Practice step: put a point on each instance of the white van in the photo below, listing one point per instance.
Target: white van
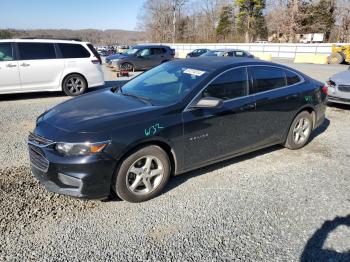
(32, 65)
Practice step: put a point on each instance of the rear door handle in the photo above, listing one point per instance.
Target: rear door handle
(248, 107)
(25, 64)
(11, 65)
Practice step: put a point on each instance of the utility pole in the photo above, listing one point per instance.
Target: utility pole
(176, 6)
(174, 20)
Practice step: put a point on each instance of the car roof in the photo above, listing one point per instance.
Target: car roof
(218, 63)
(150, 46)
(37, 40)
(227, 50)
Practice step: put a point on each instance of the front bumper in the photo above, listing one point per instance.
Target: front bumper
(83, 177)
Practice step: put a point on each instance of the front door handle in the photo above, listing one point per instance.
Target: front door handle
(11, 65)
(248, 107)
(24, 64)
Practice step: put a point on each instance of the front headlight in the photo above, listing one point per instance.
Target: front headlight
(80, 149)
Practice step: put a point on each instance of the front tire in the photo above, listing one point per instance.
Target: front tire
(300, 131)
(74, 85)
(127, 66)
(142, 175)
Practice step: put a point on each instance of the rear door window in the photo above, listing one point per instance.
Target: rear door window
(6, 52)
(232, 84)
(36, 51)
(158, 51)
(93, 50)
(73, 51)
(267, 78)
(292, 78)
(240, 54)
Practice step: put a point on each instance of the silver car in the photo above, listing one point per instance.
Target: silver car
(339, 88)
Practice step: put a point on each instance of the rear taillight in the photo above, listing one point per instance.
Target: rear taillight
(96, 61)
(325, 90)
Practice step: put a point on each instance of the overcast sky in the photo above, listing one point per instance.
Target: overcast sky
(70, 14)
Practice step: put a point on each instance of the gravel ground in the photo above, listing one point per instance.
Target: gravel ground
(272, 205)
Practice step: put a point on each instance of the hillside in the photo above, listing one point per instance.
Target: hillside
(97, 37)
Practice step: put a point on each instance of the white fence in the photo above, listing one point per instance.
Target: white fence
(275, 50)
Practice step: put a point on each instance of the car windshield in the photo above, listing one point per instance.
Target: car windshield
(131, 51)
(214, 53)
(165, 84)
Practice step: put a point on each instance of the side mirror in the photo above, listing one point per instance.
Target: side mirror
(209, 102)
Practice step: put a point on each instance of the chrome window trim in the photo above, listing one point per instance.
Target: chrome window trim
(188, 108)
(302, 80)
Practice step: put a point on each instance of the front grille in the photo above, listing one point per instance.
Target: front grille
(344, 88)
(37, 158)
(39, 140)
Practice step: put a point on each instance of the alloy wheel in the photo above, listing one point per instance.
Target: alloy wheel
(75, 85)
(144, 175)
(301, 130)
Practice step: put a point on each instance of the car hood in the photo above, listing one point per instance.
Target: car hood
(342, 78)
(94, 112)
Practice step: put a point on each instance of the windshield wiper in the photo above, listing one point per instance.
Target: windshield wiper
(142, 98)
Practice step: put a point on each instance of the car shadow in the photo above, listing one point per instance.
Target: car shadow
(338, 106)
(180, 179)
(37, 95)
(322, 128)
(314, 250)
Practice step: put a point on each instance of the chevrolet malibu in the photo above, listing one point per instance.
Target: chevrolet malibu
(175, 118)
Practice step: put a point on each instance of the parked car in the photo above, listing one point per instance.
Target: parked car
(141, 57)
(339, 88)
(228, 52)
(177, 117)
(197, 52)
(103, 53)
(122, 48)
(32, 65)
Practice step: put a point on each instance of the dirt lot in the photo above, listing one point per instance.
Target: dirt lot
(272, 205)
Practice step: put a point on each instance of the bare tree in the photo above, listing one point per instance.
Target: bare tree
(343, 21)
(176, 7)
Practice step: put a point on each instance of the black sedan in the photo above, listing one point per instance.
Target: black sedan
(238, 53)
(177, 117)
(197, 52)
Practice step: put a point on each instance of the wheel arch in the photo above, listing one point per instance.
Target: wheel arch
(312, 112)
(155, 142)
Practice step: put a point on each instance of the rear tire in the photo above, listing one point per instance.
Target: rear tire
(142, 175)
(300, 131)
(336, 58)
(74, 85)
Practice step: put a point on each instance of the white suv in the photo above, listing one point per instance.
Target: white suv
(30, 65)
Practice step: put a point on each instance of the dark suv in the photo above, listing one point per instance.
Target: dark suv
(141, 57)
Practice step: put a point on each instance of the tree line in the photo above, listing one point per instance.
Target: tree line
(244, 20)
(97, 37)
